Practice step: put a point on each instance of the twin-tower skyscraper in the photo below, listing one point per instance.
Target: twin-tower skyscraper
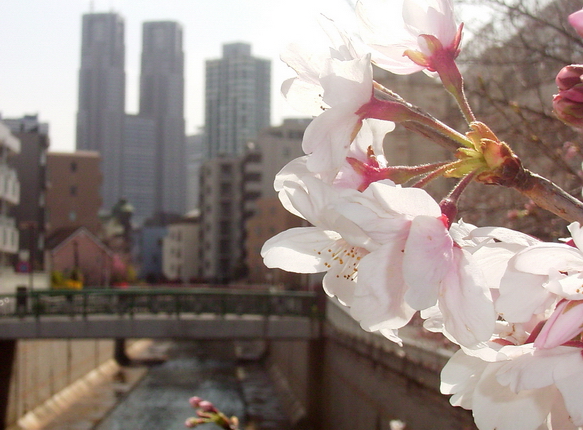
(143, 155)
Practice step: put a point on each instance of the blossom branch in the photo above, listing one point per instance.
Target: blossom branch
(548, 196)
(543, 192)
(423, 123)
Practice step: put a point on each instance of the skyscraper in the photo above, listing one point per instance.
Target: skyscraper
(100, 115)
(237, 100)
(139, 152)
(162, 100)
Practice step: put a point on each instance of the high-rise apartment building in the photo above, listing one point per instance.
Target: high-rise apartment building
(237, 100)
(100, 115)
(162, 100)
(9, 197)
(237, 108)
(30, 165)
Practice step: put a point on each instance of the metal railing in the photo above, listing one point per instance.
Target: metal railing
(154, 301)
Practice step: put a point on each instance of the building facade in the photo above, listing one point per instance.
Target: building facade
(237, 107)
(264, 214)
(30, 165)
(194, 160)
(77, 249)
(221, 246)
(237, 100)
(180, 258)
(101, 110)
(73, 197)
(162, 100)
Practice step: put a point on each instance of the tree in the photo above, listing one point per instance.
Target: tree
(509, 68)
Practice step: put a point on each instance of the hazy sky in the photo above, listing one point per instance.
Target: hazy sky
(40, 50)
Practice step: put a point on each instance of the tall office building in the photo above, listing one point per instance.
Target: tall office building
(139, 152)
(162, 100)
(237, 100)
(100, 115)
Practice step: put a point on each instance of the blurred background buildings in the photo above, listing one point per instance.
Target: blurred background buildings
(172, 208)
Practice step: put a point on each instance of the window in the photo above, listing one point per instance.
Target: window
(73, 190)
(72, 216)
(73, 166)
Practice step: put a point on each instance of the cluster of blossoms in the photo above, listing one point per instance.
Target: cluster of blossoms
(513, 304)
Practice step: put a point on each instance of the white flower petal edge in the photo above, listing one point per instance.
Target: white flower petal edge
(523, 388)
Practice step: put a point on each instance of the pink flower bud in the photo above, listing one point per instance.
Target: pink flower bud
(207, 406)
(576, 21)
(563, 325)
(569, 76)
(195, 401)
(568, 104)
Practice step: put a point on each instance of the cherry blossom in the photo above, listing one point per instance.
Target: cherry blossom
(541, 275)
(415, 234)
(426, 30)
(333, 244)
(510, 385)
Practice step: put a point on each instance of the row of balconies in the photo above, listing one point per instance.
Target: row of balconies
(9, 185)
(8, 235)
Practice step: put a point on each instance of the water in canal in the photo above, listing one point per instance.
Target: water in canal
(211, 370)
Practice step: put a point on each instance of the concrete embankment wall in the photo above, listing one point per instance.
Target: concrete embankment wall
(43, 368)
(364, 381)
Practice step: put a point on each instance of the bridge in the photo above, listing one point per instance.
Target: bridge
(322, 362)
(179, 313)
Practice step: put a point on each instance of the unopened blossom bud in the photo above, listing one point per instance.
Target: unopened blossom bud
(576, 21)
(569, 76)
(449, 211)
(207, 406)
(568, 103)
(195, 401)
(563, 325)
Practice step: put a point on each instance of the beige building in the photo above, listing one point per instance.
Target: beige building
(264, 214)
(221, 219)
(73, 195)
(180, 250)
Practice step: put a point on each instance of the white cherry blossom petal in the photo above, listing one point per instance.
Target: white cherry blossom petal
(496, 407)
(468, 311)
(522, 295)
(297, 249)
(428, 257)
(576, 233)
(408, 202)
(378, 299)
(541, 368)
(543, 258)
(460, 376)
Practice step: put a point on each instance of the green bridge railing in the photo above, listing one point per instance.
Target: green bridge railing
(158, 301)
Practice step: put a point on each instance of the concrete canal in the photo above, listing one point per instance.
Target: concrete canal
(229, 374)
